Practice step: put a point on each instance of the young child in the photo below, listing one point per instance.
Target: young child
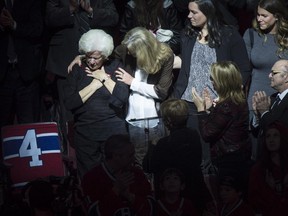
(231, 197)
(171, 202)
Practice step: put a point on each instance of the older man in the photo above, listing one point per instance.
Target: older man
(274, 108)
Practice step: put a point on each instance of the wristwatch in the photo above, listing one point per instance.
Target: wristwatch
(104, 80)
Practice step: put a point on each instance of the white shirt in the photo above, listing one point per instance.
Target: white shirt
(141, 102)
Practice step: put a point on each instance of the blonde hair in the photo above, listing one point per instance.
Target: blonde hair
(228, 81)
(150, 53)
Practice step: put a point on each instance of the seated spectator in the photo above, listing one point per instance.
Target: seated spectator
(40, 197)
(231, 195)
(268, 185)
(115, 186)
(172, 183)
(181, 150)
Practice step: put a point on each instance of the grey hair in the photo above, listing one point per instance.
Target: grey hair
(96, 40)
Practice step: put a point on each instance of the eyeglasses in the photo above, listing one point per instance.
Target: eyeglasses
(273, 72)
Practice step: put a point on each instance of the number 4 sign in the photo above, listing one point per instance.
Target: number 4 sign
(33, 151)
(29, 148)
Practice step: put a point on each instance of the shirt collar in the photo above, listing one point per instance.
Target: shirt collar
(283, 94)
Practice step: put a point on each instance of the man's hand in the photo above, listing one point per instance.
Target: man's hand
(261, 102)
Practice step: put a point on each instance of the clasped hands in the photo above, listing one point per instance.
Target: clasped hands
(121, 74)
(202, 103)
(98, 74)
(260, 102)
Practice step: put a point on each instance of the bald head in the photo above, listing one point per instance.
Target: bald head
(279, 75)
(281, 65)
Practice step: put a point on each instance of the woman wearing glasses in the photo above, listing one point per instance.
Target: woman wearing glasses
(96, 98)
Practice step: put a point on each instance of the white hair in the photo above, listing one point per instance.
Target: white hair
(96, 40)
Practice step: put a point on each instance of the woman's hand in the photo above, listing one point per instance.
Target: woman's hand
(198, 101)
(99, 74)
(76, 60)
(208, 102)
(124, 76)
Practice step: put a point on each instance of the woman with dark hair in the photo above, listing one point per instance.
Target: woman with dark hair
(206, 40)
(268, 185)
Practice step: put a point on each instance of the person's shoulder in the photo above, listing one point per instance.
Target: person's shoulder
(112, 64)
(119, 51)
(77, 71)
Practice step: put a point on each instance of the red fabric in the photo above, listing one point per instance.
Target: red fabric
(242, 210)
(97, 185)
(33, 151)
(262, 197)
(187, 208)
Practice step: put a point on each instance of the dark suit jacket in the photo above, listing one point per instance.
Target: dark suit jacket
(65, 30)
(232, 49)
(277, 113)
(28, 17)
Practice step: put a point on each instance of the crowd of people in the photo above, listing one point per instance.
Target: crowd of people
(173, 107)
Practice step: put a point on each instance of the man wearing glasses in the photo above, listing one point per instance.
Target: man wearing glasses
(274, 108)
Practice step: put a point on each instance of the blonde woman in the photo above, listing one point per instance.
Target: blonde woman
(225, 124)
(147, 70)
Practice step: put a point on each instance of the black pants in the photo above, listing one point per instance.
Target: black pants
(88, 153)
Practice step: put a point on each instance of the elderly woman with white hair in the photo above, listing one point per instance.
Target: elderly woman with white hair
(96, 98)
